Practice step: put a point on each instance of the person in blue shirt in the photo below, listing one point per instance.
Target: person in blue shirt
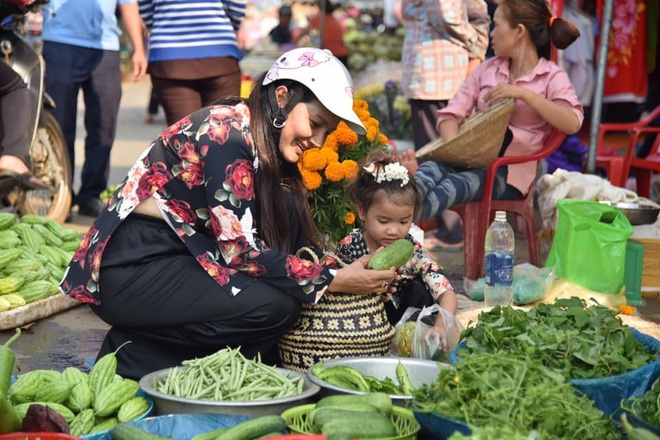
(81, 51)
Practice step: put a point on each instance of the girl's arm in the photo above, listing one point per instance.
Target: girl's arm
(449, 302)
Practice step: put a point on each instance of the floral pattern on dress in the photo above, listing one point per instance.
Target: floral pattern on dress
(200, 172)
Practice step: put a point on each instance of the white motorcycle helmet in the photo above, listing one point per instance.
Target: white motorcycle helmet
(324, 75)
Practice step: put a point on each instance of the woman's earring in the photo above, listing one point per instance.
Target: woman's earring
(279, 118)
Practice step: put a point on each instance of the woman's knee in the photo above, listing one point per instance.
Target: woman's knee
(281, 312)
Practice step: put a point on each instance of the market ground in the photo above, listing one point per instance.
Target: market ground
(70, 337)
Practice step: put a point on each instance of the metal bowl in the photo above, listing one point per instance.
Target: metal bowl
(168, 404)
(420, 371)
(637, 214)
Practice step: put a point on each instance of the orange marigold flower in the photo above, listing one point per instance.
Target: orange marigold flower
(345, 135)
(314, 160)
(334, 172)
(331, 142)
(372, 132)
(349, 218)
(373, 122)
(350, 168)
(312, 179)
(364, 115)
(627, 310)
(360, 104)
(329, 154)
(382, 139)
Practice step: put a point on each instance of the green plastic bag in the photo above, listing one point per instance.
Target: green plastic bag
(589, 247)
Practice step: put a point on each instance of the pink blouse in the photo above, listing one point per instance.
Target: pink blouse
(529, 130)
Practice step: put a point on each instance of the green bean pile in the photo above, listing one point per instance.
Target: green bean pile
(228, 376)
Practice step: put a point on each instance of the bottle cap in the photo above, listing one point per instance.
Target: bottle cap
(500, 215)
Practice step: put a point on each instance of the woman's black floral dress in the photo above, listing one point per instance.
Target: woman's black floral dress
(200, 172)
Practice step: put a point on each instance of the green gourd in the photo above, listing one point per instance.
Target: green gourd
(395, 254)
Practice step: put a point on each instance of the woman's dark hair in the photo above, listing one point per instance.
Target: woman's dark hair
(274, 173)
(542, 26)
(364, 191)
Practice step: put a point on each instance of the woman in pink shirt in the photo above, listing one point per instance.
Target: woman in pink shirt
(521, 69)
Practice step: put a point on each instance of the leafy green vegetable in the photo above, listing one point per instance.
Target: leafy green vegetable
(647, 406)
(514, 392)
(567, 336)
(495, 433)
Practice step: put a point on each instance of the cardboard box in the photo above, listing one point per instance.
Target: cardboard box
(651, 265)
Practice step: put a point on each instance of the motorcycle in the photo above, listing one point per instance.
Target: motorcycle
(49, 155)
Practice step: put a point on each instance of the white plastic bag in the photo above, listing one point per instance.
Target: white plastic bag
(415, 336)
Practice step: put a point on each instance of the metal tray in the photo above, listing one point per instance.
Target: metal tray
(420, 371)
(168, 404)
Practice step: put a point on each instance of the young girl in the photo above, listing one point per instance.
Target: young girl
(386, 198)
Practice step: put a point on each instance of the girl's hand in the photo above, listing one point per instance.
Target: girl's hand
(436, 337)
(503, 91)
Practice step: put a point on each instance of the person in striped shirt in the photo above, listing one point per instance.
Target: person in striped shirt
(193, 52)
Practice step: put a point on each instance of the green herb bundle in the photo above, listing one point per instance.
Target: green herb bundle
(647, 406)
(515, 392)
(567, 336)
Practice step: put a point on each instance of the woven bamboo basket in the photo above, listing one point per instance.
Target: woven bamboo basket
(339, 325)
(478, 142)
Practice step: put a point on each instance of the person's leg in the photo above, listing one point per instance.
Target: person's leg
(460, 188)
(424, 117)
(153, 102)
(102, 95)
(179, 98)
(66, 69)
(15, 134)
(15, 129)
(155, 294)
(254, 320)
(423, 123)
(215, 88)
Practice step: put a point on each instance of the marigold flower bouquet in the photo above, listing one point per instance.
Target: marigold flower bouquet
(326, 172)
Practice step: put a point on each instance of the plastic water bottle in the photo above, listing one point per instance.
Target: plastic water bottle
(498, 264)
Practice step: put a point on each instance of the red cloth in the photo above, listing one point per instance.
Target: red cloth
(626, 75)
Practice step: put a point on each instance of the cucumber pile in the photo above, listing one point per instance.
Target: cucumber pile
(361, 416)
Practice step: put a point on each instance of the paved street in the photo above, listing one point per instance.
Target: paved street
(70, 337)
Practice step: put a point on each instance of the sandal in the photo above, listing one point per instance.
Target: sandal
(26, 181)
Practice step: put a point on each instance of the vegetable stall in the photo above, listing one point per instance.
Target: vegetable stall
(566, 369)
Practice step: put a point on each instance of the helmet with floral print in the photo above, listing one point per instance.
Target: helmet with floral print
(324, 75)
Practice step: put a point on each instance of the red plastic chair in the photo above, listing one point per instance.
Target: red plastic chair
(618, 167)
(478, 215)
(644, 167)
